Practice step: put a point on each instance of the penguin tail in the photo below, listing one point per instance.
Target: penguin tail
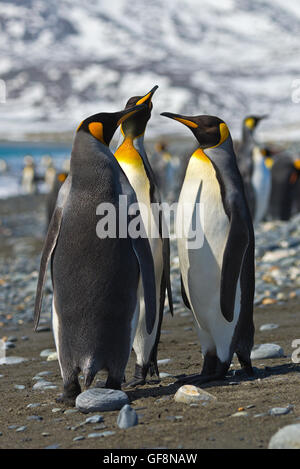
(89, 373)
(89, 376)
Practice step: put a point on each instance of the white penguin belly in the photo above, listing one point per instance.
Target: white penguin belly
(143, 342)
(261, 181)
(201, 267)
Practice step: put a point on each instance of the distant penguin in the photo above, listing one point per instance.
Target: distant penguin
(29, 177)
(95, 278)
(285, 177)
(244, 152)
(261, 182)
(132, 158)
(52, 195)
(218, 271)
(3, 166)
(50, 175)
(296, 202)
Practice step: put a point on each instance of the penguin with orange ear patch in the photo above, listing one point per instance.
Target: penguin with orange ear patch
(247, 163)
(95, 278)
(216, 249)
(132, 158)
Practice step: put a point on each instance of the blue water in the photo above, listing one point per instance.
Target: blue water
(13, 154)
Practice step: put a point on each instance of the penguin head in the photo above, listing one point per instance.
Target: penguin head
(102, 126)
(210, 131)
(250, 122)
(267, 154)
(135, 126)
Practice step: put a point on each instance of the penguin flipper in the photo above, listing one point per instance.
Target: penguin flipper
(184, 295)
(236, 246)
(166, 264)
(48, 249)
(142, 250)
(49, 245)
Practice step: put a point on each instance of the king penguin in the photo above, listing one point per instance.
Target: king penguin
(247, 162)
(95, 278)
(285, 180)
(261, 182)
(218, 271)
(132, 158)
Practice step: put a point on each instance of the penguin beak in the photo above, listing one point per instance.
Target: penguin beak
(147, 97)
(264, 116)
(129, 112)
(188, 121)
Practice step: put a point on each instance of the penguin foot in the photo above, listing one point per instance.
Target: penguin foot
(135, 382)
(139, 377)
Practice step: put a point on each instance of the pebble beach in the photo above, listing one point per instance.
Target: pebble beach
(236, 413)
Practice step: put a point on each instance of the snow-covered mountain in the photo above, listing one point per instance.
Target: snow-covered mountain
(62, 60)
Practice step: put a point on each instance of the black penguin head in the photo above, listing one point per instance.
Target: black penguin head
(102, 126)
(136, 125)
(250, 122)
(210, 131)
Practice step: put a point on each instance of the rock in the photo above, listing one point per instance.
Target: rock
(189, 394)
(70, 411)
(12, 360)
(19, 386)
(175, 418)
(8, 345)
(101, 426)
(21, 429)
(52, 357)
(35, 417)
(240, 414)
(54, 446)
(266, 351)
(164, 361)
(101, 434)
(163, 375)
(286, 438)
(268, 327)
(46, 353)
(101, 399)
(94, 419)
(44, 373)
(43, 329)
(42, 384)
(12, 338)
(32, 406)
(56, 409)
(127, 417)
(79, 438)
(281, 410)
